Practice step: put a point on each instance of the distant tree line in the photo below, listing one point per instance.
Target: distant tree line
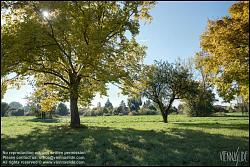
(133, 107)
(32, 109)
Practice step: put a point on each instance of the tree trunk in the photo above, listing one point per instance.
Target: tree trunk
(75, 119)
(166, 111)
(43, 115)
(74, 94)
(164, 115)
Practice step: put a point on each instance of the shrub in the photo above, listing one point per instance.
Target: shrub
(219, 109)
(106, 114)
(147, 111)
(4, 108)
(16, 112)
(130, 113)
(200, 104)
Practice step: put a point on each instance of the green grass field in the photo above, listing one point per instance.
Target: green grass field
(132, 140)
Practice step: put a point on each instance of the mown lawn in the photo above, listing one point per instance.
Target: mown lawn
(132, 140)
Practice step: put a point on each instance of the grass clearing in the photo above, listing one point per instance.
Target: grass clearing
(132, 140)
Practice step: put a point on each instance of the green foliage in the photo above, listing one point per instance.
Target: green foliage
(148, 108)
(226, 42)
(16, 112)
(108, 107)
(220, 109)
(83, 110)
(134, 103)
(15, 105)
(4, 108)
(201, 103)
(122, 109)
(77, 49)
(62, 109)
(42, 102)
(166, 82)
(180, 108)
(241, 107)
(13, 109)
(147, 111)
(33, 105)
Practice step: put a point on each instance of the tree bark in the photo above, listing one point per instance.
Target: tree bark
(74, 94)
(43, 115)
(75, 119)
(168, 108)
(164, 112)
(164, 115)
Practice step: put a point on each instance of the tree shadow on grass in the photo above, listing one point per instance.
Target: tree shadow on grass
(47, 120)
(214, 125)
(107, 146)
(247, 116)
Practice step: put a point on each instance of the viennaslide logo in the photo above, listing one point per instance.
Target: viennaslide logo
(236, 156)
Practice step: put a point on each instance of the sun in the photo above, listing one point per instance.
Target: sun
(45, 13)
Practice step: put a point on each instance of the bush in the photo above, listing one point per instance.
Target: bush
(4, 108)
(219, 109)
(16, 112)
(180, 109)
(130, 113)
(200, 104)
(135, 113)
(106, 114)
(147, 111)
(241, 107)
(173, 110)
(198, 110)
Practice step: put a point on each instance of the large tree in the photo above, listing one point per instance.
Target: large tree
(75, 47)
(167, 82)
(226, 42)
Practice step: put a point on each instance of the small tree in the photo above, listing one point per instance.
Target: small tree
(134, 103)
(108, 107)
(34, 105)
(97, 111)
(48, 105)
(62, 109)
(122, 109)
(166, 82)
(201, 103)
(148, 108)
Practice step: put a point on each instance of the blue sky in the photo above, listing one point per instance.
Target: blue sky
(173, 33)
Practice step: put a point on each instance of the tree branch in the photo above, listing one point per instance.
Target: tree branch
(50, 83)
(50, 72)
